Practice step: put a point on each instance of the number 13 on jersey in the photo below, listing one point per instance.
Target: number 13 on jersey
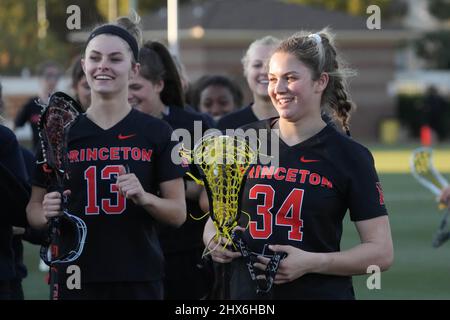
(116, 204)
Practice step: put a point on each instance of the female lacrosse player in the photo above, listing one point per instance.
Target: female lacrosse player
(80, 86)
(216, 96)
(297, 207)
(49, 73)
(121, 178)
(255, 71)
(157, 90)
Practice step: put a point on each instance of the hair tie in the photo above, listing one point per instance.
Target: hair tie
(316, 37)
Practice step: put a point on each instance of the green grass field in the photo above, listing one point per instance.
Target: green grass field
(419, 271)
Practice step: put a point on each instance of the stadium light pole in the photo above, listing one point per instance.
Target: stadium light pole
(42, 19)
(112, 10)
(172, 26)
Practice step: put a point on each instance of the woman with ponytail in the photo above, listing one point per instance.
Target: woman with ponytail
(297, 211)
(157, 90)
(122, 180)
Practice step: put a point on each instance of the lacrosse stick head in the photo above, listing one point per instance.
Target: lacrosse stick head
(222, 162)
(423, 169)
(57, 117)
(74, 231)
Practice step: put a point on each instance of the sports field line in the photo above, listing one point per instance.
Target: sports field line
(388, 161)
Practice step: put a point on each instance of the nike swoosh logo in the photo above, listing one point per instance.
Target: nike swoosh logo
(302, 159)
(122, 137)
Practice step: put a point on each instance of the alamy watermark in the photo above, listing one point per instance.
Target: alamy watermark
(263, 142)
(374, 280)
(73, 21)
(74, 279)
(374, 20)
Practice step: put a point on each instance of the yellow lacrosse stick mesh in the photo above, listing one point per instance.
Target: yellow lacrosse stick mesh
(223, 162)
(423, 170)
(422, 165)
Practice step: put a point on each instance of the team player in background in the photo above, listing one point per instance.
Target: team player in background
(216, 95)
(49, 73)
(255, 71)
(80, 86)
(298, 207)
(121, 178)
(158, 91)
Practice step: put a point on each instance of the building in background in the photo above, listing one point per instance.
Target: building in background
(214, 35)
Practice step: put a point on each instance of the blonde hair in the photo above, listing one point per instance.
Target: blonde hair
(317, 51)
(267, 41)
(131, 23)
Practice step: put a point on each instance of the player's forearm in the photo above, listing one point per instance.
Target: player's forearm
(35, 210)
(355, 260)
(208, 232)
(169, 211)
(35, 215)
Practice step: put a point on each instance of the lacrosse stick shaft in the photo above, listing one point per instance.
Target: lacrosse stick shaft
(54, 241)
(221, 286)
(225, 279)
(442, 233)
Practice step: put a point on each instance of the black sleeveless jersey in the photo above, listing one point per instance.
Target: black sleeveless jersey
(302, 203)
(122, 243)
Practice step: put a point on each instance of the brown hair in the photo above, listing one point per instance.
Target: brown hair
(317, 51)
(216, 80)
(76, 71)
(157, 65)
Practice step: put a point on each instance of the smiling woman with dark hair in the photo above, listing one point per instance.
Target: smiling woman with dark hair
(126, 184)
(216, 95)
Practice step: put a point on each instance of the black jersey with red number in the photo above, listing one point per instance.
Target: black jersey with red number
(122, 243)
(302, 203)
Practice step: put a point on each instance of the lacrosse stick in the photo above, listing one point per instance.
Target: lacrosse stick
(222, 162)
(422, 168)
(56, 119)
